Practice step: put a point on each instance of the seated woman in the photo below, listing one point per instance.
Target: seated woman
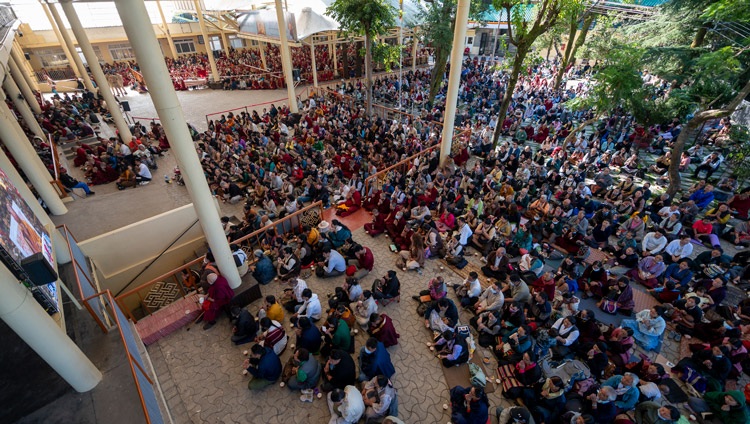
(635, 224)
(451, 348)
(381, 327)
(387, 288)
(288, 265)
(546, 400)
(519, 376)
(414, 257)
(339, 234)
(619, 299)
(469, 405)
(594, 282)
(127, 179)
(648, 328)
(619, 344)
(515, 345)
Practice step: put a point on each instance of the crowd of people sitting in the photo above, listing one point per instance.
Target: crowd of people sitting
(520, 209)
(245, 69)
(522, 206)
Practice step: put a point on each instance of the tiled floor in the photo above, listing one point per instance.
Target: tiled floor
(206, 368)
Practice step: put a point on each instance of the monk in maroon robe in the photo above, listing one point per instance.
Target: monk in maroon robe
(381, 327)
(219, 295)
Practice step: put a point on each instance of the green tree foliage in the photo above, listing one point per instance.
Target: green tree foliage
(618, 84)
(706, 65)
(577, 18)
(368, 18)
(522, 34)
(437, 24)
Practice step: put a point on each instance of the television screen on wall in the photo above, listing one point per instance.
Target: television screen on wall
(22, 235)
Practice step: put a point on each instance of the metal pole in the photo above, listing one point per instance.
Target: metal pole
(314, 65)
(22, 313)
(206, 41)
(286, 58)
(400, 50)
(96, 70)
(72, 47)
(172, 48)
(27, 159)
(15, 71)
(16, 52)
(60, 40)
(141, 34)
(22, 105)
(454, 79)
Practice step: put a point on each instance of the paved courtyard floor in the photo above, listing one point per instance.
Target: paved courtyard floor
(201, 371)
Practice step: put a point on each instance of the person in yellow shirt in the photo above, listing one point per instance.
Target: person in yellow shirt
(273, 309)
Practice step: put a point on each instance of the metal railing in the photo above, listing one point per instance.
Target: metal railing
(304, 95)
(45, 75)
(250, 242)
(61, 189)
(85, 282)
(107, 314)
(376, 181)
(143, 383)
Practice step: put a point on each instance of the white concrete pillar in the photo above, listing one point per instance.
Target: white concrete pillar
(104, 89)
(454, 79)
(16, 52)
(335, 59)
(286, 58)
(77, 62)
(62, 255)
(17, 74)
(262, 45)
(22, 313)
(314, 65)
(207, 41)
(225, 43)
(164, 24)
(414, 44)
(23, 106)
(141, 35)
(28, 160)
(60, 40)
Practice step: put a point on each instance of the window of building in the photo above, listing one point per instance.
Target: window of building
(236, 42)
(121, 52)
(52, 58)
(184, 46)
(470, 40)
(215, 43)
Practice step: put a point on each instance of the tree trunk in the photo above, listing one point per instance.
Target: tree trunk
(582, 126)
(368, 72)
(700, 36)
(521, 52)
(436, 79)
(675, 182)
(567, 54)
(549, 48)
(570, 56)
(557, 50)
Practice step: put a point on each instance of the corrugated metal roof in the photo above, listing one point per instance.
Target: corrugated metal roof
(492, 15)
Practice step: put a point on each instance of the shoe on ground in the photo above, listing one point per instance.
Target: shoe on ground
(415, 297)
(143, 183)
(209, 325)
(91, 193)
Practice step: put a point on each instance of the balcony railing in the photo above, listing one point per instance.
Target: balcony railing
(133, 299)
